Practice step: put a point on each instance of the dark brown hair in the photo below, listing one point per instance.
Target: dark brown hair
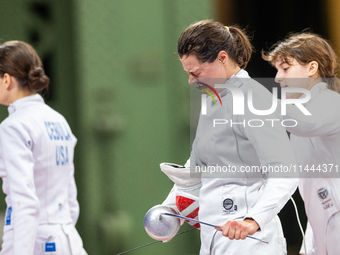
(21, 61)
(306, 47)
(206, 38)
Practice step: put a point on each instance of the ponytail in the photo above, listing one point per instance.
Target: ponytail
(241, 49)
(333, 83)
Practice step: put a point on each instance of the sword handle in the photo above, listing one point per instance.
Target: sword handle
(210, 225)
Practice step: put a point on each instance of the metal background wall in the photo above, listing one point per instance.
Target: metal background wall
(115, 79)
(133, 100)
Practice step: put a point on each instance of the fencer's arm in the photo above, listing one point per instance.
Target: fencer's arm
(275, 195)
(16, 148)
(72, 199)
(324, 118)
(273, 148)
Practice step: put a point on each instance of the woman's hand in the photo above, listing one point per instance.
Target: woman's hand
(239, 229)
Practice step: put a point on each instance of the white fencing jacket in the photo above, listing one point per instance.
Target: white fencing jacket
(237, 195)
(316, 144)
(36, 166)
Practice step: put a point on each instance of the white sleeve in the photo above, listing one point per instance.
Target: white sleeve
(273, 148)
(16, 148)
(273, 198)
(308, 239)
(325, 118)
(72, 200)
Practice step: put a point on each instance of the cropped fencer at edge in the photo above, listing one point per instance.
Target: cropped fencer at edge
(36, 161)
(306, 60)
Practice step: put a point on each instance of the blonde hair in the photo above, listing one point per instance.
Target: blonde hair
(306, 47)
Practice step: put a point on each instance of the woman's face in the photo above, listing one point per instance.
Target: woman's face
(292, 75)
(203, 73)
